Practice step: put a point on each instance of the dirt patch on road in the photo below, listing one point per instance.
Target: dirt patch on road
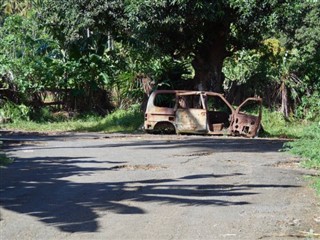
(291, 163)
(139, 167)
(194, 154)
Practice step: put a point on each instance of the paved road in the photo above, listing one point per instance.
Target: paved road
(98, 186)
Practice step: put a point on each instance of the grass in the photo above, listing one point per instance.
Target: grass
(308, 147)
(69, 125)
(119, 121)
(275, 125)
(315, 183)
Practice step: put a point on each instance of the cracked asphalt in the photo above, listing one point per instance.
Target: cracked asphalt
(139, 186)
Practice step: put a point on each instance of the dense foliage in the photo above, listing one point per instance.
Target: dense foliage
(96, 55)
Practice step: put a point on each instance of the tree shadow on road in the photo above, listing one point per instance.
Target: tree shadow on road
(42, 186)
(39, 187)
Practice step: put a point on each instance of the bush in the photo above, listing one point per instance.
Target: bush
(14, 112)
(124, 120)
(121, 120)
(46, 115)
(309, 109)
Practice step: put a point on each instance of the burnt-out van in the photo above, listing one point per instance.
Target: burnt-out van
(200, 112)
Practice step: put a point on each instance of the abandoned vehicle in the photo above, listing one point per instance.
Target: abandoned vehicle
(199, 112)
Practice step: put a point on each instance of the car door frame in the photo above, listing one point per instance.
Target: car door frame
(247, 125)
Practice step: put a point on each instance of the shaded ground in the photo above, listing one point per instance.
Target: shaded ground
(97, 186)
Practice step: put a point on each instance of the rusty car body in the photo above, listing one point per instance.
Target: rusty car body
(200, 112)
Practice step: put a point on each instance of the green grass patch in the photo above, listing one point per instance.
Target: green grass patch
(118, 121)
(129, 120)
(275, 125)
(308, 147)
(315, 183)
(31, 126)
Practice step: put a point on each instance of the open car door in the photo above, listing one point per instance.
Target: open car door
(247, 118)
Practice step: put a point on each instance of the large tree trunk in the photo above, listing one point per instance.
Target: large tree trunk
(284, 100)
(208, 60)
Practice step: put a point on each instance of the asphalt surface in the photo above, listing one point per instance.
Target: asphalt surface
(115, 186)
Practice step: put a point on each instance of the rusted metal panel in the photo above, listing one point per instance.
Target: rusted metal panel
(197, 112)
(191, 121)
(246, 124)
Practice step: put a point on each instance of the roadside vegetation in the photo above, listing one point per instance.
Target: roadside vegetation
(308, 148)
(122, 120)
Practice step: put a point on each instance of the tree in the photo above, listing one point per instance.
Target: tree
(301, 34)
(208, 31)
(27, 55)
(307, 41)
(82, 26)
(285, 67)
(199, 32)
